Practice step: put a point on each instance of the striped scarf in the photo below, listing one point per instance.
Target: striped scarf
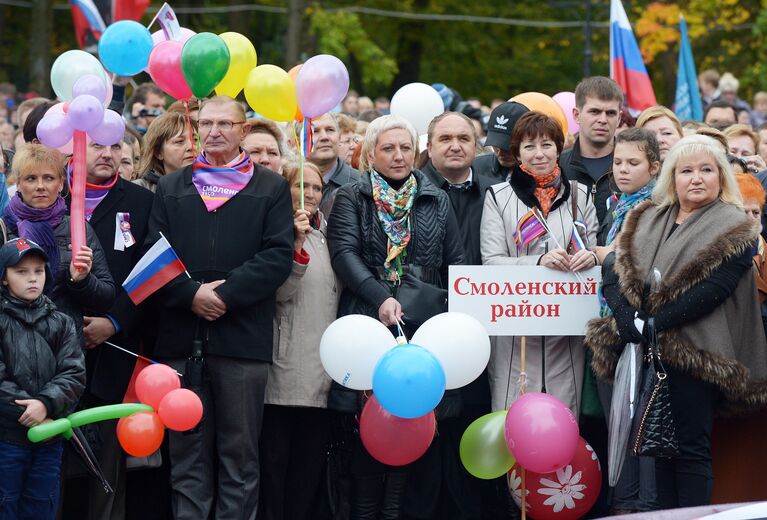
(217, 184)
(94, 193)
(393, 210)
(546, 187)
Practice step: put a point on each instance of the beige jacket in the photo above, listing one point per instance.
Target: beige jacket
(306, 305)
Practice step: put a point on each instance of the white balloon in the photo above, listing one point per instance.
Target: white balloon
(419, 103)
(461, 344)
(351, 347)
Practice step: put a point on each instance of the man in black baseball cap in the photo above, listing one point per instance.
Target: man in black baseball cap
(499, 128)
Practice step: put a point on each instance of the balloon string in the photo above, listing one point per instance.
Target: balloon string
(189, 127)
(300, 161)
(400, 332)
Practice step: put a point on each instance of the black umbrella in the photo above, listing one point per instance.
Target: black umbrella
(83, 449)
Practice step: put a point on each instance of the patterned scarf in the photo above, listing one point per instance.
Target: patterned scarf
(393, 210)
(546, 186)
(218, 184)
(626, 203)
(94, 193)
(37, 224)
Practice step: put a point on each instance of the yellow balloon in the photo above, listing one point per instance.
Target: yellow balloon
(270, 92)
(242, 59)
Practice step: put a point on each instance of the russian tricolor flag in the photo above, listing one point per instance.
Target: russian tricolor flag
(626, 65)
(157, 267)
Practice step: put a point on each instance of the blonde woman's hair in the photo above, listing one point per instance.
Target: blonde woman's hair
(162, 129)
(292, 170)
(33, 157)
(665, 194)
(742, 131)
(379, 126)
(656, 112)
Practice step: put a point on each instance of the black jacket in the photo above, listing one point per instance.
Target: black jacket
(109, 370)
(40, 358)
(358, 244)
(488, 166)
(248, 242)
(574, 170)
(467, 206)
(342, 174)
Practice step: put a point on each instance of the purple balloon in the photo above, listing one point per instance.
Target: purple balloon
(54, 130)
(85, 112)
(321, 84)
(110, 131)
(90, 85)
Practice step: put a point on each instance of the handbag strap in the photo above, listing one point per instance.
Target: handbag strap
(654, 349)
(574, 199)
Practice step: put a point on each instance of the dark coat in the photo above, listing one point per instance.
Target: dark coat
(488, 166)
(109, 370)
(600, 190)
(358, 244)
(40, 358)
(467, 206)
(342, 174)
(248, 242)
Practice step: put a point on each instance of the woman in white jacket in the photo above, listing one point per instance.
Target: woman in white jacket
(510, 234)
(296, 426)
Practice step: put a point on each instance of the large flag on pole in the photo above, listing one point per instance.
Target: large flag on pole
(688, 104)
(626, 65)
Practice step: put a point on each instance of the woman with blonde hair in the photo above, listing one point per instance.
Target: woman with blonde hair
(682, 269)
(166, 149)
(664, 123)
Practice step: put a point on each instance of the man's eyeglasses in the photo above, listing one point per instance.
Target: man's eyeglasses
(224, 125)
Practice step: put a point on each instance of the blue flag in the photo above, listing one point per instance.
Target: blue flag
(687, 104)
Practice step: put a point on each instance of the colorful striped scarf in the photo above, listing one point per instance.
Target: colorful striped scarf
(528, 229)
(217, 184)
(393, 210)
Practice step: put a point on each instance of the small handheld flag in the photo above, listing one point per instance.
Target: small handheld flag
(576, 242)
(156, 268)
(528, 229)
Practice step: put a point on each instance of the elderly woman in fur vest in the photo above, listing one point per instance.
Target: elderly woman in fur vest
(695, 234)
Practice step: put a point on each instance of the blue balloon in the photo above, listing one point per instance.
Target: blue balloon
(409, 381)
(124, 48)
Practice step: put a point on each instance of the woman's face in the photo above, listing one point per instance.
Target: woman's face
(394, 154)
(41, 186)
(312, 191)
(263, 150)
(538, 154)
(696, 180)
(176, 152)
(126, 162)
(665, 133)
(631, 168)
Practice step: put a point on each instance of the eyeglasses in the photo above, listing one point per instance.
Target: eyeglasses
(224, 126)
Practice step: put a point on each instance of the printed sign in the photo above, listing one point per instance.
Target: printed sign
(523, 300)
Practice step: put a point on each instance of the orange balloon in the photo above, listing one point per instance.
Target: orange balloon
(538, 102)
(140, 434)
(293, 73)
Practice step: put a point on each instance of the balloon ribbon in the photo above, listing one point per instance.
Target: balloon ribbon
(189, 126)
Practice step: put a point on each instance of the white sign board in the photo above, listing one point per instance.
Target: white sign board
(517, 300)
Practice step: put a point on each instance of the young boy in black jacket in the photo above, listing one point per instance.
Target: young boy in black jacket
(42, 375)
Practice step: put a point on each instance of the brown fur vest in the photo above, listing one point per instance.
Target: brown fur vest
(727, 347)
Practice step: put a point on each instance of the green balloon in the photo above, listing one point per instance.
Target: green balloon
(204, 62)
(50, 429)
(101, 413)
(483, 447)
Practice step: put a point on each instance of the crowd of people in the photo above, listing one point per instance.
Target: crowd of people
(276, 249)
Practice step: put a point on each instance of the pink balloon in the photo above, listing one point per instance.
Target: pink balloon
(159, 36)
(54, 129)
(393, 440)
(91, 85)
(165, 69)
(567, 101)
(111, 129)
(154, 382)
(180, 410)
(541, 432)
(321, 84)
(108, 98)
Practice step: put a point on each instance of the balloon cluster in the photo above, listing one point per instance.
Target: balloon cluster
(408, 380)
(176, 408)
(80, 82)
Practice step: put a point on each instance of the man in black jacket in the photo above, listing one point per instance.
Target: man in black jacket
(326, 137)
(598, 103)
(231, 223)
(497, 165)
(118, 212)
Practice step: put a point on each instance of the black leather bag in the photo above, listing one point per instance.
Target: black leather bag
(653, 431)
(420, 296)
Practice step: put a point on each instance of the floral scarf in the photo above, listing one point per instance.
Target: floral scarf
(546, 186)
(625, 203)
(393, 210)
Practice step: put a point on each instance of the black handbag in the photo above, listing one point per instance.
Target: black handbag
(420, 299)
(653, 431)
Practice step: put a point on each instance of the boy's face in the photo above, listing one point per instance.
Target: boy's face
(26, 279)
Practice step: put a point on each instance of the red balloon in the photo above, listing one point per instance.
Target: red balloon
(140, 434)
(165, 68)
(393, 440)
(154, 382)
(566, 494)
(180, 410)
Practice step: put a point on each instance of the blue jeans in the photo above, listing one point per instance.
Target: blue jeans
(29, 480)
